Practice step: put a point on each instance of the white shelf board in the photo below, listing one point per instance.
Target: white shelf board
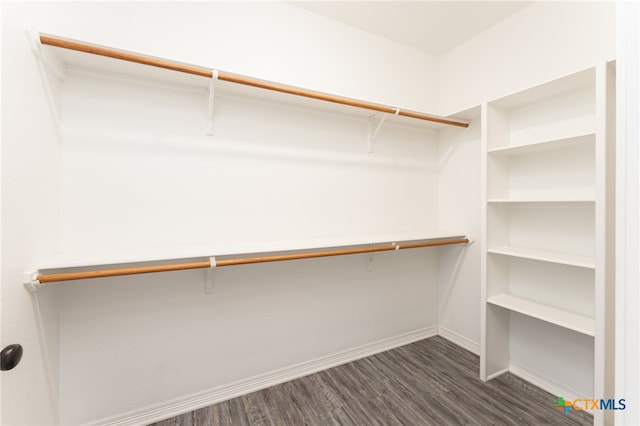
(568, 320)
(579, 81)
(547, 145)
(545, 256)
(158, 254)
(107, 67)
(540, 200)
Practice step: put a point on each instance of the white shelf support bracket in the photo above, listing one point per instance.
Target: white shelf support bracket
(31, 282)
(472, 239)
(208, 287)
(53, 65)
(47, 64)
(373, 128)
(211, 103)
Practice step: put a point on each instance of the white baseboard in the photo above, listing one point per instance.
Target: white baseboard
(212, 396)
(459, 340)
(497, 374)
(544, 383)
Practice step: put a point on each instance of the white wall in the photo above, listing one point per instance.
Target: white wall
(126, 344)
(541, 42)
(138, 171)
(459, 193)
(153, 183)
(627, 345)
(29, 227)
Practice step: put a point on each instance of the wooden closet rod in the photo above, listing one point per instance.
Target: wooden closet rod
(70, 276)
(238, 79)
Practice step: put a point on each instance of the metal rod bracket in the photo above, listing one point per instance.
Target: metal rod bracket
(373, 128)
(208, 287)
(31, 282)
(211, 102)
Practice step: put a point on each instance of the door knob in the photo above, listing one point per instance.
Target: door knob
(10, 356)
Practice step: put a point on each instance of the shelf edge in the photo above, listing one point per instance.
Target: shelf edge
(568, 320)
(545, 256)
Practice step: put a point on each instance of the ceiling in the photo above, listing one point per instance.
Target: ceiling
(432, 26)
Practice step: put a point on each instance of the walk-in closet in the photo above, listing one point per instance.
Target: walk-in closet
(274, 212)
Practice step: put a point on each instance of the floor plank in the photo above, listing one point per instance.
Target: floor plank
(430, 382)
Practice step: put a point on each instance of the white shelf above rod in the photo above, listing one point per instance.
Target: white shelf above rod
(55, 41)
(35, 279)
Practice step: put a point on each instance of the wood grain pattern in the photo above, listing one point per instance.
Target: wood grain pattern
(117, 272)
(123, 55)
(431, 382)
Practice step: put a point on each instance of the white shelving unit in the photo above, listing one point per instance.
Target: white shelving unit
(547, 270)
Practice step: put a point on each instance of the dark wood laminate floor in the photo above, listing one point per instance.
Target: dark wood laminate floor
(430, 382)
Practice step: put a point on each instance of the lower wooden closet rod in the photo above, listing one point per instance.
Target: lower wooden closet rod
(70, 276)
